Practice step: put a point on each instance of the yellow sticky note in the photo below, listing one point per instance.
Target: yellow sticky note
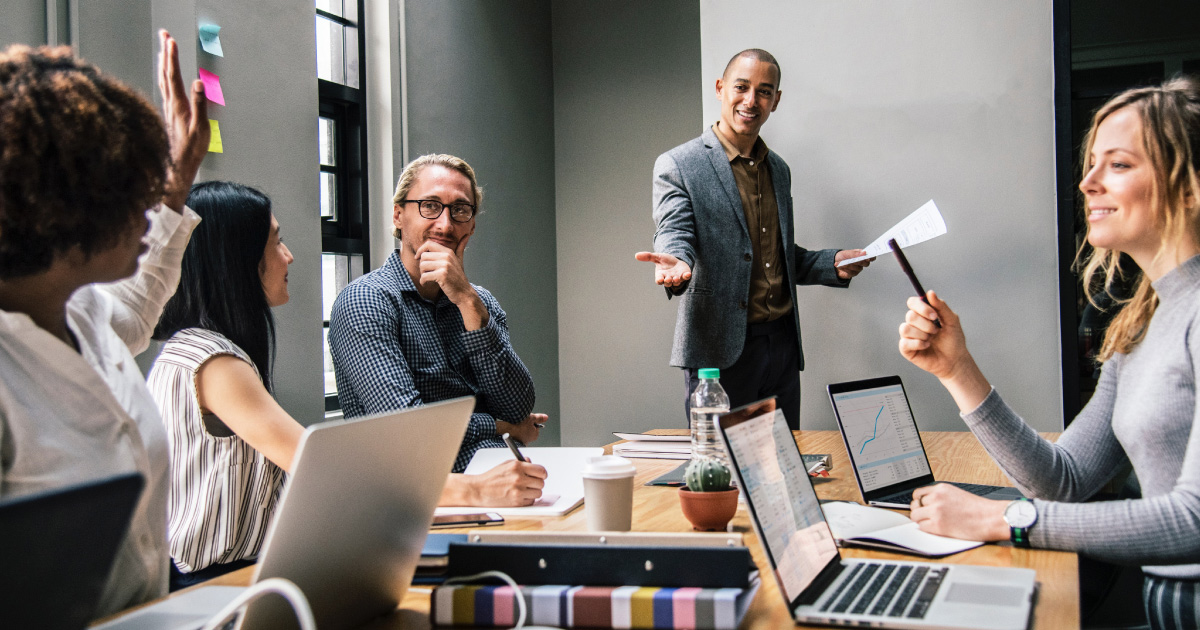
(214, 142)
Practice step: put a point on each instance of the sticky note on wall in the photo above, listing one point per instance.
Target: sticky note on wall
(214, 141)
(212, 87)
(210, 39)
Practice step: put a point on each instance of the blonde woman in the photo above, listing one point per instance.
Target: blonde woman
(1143, 199)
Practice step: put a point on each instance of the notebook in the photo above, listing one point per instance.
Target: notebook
(823, 588)
(563, 491)
(58, 547)
(351, 523)
(884, 446)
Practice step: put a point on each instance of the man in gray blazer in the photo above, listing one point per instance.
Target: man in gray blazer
(725, 243)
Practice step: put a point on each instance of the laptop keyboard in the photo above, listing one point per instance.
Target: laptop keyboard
(973, 488)
(901, 589)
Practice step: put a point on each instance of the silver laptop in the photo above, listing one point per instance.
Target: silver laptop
(822, 588)
(884, 446)
(350, 525)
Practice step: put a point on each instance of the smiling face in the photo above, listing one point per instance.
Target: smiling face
(1119, 186)
(749, 92)
(445, 185)
(273, 268)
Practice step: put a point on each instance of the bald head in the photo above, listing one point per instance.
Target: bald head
(756, 54)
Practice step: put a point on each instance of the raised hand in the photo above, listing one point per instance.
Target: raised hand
(939, 351)
(186, 120)
(669, 271)
(853, 269)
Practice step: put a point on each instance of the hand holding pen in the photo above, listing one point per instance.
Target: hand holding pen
(912, 277)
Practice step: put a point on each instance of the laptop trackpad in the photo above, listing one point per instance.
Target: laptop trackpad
(985, 594)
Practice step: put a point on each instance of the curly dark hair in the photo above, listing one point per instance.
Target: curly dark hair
(82, 156)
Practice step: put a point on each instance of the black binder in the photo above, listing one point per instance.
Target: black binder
(606, 565)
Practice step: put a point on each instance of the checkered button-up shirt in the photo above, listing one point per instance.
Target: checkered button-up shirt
(394, 349)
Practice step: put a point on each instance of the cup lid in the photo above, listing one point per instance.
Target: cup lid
(608, 467)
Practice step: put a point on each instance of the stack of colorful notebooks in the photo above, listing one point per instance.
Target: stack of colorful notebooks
(633, 607)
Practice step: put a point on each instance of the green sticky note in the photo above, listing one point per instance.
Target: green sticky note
(214, 142)
(210, 39)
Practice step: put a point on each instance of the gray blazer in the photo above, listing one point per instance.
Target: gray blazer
(700, 220)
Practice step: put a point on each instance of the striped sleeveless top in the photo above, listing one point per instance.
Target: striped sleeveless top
(222, 492)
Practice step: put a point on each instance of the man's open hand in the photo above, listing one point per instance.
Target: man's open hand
(669, 271)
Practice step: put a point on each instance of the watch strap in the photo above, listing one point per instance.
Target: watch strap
(1019, 536)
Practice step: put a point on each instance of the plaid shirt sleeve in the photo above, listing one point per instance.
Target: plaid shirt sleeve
(368, 348)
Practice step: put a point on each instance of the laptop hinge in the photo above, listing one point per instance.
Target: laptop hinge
(820, 584)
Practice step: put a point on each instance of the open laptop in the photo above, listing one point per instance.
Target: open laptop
(885, 448)
(822, 588)
(58, 547)
(350, 524)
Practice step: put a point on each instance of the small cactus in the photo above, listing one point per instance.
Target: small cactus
(707, 474)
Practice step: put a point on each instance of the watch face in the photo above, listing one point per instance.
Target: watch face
(1020, 514)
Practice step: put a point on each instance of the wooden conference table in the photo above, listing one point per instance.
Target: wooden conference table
(955, 456)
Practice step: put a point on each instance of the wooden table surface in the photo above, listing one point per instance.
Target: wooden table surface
(955, 456)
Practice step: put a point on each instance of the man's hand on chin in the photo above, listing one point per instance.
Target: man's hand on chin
(444, 266)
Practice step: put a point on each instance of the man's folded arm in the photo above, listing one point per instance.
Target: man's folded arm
(506, 387)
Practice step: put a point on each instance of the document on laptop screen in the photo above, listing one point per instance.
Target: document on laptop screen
(882, 436)
(785, 504)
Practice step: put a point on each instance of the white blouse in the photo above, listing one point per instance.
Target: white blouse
(67, 417)
(223, 492)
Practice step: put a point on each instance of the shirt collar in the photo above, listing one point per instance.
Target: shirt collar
(396, 266)
(758, 152)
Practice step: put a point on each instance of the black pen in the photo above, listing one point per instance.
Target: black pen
(513, 447)
(912, 277)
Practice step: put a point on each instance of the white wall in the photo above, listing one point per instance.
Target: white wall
(884, 106)
(626, 81)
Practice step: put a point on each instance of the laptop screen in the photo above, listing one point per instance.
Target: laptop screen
(782, 502)
(880, 432)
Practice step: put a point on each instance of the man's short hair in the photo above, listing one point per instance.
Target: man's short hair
(409, 176)
(82, 156)
(756, 54)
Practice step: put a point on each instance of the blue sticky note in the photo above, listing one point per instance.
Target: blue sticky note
(210, 39)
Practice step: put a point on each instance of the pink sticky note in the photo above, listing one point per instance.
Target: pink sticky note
(212, 87)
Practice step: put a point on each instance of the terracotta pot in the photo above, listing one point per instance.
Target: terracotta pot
(708, 511)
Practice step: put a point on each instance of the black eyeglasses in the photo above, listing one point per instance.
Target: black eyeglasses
(460, 211)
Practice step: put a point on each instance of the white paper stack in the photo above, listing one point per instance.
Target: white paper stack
(643, 445)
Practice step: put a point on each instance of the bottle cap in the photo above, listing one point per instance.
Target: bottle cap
(608, 467)
(710, 373)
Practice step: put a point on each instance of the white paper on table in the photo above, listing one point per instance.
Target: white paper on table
(923, 224)
(564, 478)
(854, 523)
(648, 437)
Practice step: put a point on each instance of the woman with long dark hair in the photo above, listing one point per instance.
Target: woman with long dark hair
(230, 441)
(1142, 187)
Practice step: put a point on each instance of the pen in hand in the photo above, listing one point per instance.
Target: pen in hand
(512, 445)
(912, 277)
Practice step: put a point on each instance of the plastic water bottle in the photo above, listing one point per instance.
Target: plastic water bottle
(709, 401)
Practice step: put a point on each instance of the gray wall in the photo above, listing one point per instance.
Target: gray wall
(884, 106)
(479, 86)
(23, 22)
(626, 88)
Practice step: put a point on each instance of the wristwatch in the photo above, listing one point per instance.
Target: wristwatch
(1020, 516)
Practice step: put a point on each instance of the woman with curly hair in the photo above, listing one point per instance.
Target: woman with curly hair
(82, 157)
(1142, 187)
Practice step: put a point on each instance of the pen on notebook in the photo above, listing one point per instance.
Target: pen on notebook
(513, 447)
(912, 277)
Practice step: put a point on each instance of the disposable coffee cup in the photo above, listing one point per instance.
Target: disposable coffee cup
(608, 493)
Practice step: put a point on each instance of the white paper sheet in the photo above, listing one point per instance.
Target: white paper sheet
(564, 478)
(923, 224)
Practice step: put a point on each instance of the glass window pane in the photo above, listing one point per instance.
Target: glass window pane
(329, 196)
(334, 6)
(330, 63)
(352, 57)
(329, 283)
(330, 379)
(326, 128)
(350, 10)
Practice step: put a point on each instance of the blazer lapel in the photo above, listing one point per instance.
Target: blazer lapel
(720, 164)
